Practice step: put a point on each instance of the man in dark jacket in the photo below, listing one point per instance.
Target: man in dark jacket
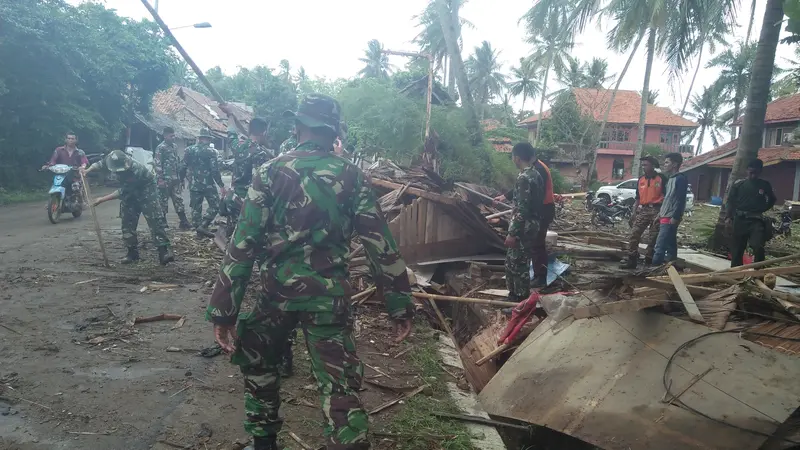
(748, 200)
(671, 212)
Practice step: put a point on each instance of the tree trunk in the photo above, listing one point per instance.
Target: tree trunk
(756, 108)
(750, 24)
(736, 110)
(457, 66)
(524, 97)
(593, 162)
(651, 50)
(544, 93)
(700, 140)
(691, 85)
(451, 79)
(445, 73)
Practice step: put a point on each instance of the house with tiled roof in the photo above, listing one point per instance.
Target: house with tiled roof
(187, 111)
(615, 153)
(708, 173)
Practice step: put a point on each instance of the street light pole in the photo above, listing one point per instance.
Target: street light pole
(155, 5)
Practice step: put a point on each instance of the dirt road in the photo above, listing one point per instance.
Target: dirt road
(75, 374)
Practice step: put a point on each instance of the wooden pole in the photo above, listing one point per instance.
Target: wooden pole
(429, 98)
(448, 298)
(761, 264)
(88, 195)
(500, 214)
(461, 185)
(197, 71)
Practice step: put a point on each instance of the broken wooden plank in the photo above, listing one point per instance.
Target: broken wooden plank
(449, 298)
(500, 349)
(789, 302)
(157, 318)
(391, 403)
(685, 295)
(757, 265)
(607, 242)
(700, 291)
(415, 191)
(603, 309)
(723, 276)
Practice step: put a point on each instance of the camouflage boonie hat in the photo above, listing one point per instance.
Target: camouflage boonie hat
(118, 161)
(205, 132)
(318, 111)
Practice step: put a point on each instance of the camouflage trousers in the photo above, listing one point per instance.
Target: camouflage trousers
(645, 218)
(196, 198)
(142, 202)
(262, 336)
(518, 266)
(171, 190)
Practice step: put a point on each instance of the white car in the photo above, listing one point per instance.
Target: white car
(627, 189)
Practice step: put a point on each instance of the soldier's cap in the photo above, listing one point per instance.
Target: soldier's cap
(318, 111)
(205, 132)
(118, 161)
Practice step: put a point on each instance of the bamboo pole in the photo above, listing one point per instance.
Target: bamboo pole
(448, 298)
(756, 265)
(88, 195)
(462, 186)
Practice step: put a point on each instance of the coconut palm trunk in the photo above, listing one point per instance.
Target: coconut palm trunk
(601, 129)
(651, 50)
(756, 108)
(544, 94)
(700, 140)
(457, 66)
(694, 77)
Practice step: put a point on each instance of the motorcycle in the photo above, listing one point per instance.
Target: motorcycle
(587, 202)
(784, 227)
(65, 194)
(610, 213)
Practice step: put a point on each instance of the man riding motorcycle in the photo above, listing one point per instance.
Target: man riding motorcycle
(72, 156)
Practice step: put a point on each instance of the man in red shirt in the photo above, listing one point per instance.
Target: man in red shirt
(68, 154)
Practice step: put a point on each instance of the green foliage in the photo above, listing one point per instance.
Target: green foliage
(569, 127)
(560, 184)
(82, 68)
(653, 150)
(513, 133)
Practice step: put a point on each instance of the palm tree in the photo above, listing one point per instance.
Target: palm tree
(736, 65)
(705, 111)
(524, 82)
(485, 78)
(431, 38)
(548, 24)
(302, 76)
(651, 97)
(572, 75)
(712, 32)
(285, 69)
(596, 74)
(377, 62)
(756, 110)
(451, 36)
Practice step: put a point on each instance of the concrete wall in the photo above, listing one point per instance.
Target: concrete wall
(781, 176)
(605, 164)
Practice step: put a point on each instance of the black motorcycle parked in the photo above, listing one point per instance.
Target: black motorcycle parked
(605, 213)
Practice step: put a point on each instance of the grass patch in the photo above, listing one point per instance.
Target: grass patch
(10, 197)
(416, 420)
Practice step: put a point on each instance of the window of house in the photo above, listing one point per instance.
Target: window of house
(774, 137)
(617, 134)
(670, 136)
(618, 169)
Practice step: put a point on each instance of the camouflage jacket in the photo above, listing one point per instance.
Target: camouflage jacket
(133, 181)
(528, 198)
(203, 168)
(247, 155)
(167, 164)
(301, 212)
(288, 145)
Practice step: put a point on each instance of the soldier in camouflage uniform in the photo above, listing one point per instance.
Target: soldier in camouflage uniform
(167, 165)
(138, 194)
(289, 144)
(528, 204)
(200, 161)
(302, 211)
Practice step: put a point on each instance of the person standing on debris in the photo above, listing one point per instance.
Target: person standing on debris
(524, 227)
(138, 194)
(748, 200)
(167, 165)
(649, 197)
(546, 217)
(302, 211)
(671, 212)
(201, 162)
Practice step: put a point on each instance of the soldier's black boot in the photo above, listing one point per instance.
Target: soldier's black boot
(287, 365)
(132, 256)
(165, 255)
(630, 263)
(264, 443)
(184, 225)
(202, 230)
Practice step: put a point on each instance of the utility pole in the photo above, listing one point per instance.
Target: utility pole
(155, 5)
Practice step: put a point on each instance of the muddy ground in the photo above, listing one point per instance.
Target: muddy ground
(75, 374)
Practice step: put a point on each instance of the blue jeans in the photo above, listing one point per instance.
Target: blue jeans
(666, 244)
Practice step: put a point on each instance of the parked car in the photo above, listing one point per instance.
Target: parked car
(627, 189)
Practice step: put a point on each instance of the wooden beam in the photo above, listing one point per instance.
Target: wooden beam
(721, 276)
(686, 297)
(480, 301)
(700, 291)
(768, 262)
(414, 191)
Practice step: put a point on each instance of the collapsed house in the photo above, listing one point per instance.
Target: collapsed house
(659, 360)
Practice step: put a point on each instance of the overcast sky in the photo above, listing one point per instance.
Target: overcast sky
(328, 38)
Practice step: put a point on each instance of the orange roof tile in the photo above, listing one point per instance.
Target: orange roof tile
(784, 109)
(502, 145)
(720, 152)
(173, 101)
(769, 155)
(625, 109)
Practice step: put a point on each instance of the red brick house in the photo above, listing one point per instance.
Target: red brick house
(708, 173)
(615, 154)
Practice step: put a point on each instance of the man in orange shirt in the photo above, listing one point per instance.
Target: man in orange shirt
(649, 197)
(547, 214)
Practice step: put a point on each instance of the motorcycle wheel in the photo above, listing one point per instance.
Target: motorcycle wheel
(54, 208)
(77, 213)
